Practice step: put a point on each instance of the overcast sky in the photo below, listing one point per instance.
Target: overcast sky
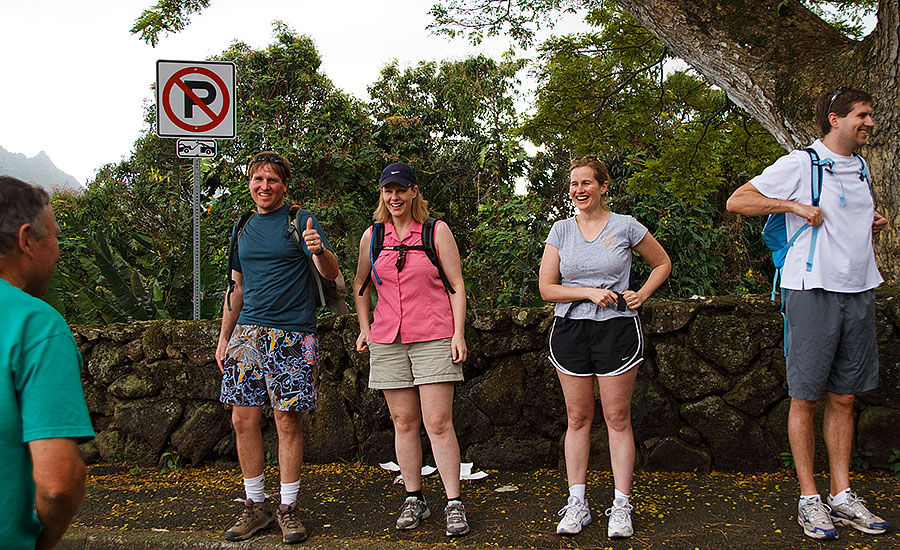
(75, 81)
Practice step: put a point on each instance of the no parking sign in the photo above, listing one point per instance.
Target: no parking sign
(195, 99)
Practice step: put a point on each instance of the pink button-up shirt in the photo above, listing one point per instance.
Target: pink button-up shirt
(412, 302)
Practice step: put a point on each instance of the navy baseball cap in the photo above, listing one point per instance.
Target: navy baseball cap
(399, 173)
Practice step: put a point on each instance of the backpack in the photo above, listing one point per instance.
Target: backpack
(774, 232)
(328, 293)
(376, 245)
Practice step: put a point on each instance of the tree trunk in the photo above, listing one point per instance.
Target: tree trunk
(774, 58)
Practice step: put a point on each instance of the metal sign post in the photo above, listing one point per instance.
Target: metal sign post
(195, 99)
(196, 201)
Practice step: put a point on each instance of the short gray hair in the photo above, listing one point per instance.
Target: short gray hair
(20, 203)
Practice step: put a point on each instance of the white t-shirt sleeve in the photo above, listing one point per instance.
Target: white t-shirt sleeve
(785, 178)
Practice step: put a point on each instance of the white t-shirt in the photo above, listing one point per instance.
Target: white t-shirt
(844, 259)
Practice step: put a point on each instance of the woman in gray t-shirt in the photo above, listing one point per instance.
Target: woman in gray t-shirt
(597, 333)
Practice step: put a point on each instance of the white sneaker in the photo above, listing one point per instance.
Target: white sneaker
(855, 514)
(815, 518)
(619, 519)
(575, 516)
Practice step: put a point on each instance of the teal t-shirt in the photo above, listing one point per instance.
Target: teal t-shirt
(278, 291)
(40, 398)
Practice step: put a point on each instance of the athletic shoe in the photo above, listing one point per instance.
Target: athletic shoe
(254, 518)
(292, 531)
(855, 514)
(619, 519)
(575, 516)
(455, 513)
(813, 516)
(412, 513)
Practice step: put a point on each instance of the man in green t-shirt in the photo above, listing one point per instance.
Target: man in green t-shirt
(42, 410)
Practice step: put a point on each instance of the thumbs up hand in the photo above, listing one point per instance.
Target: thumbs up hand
(312, 239)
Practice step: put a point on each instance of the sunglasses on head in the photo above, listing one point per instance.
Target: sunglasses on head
(837, 93)
(267, 157)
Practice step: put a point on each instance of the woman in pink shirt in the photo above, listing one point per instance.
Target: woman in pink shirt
(416, 342)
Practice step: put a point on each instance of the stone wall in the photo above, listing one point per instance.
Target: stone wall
(711, 394)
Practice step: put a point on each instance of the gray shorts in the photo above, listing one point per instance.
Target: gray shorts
(831, 342)
(396, 366)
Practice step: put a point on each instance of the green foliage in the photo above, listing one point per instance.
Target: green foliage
(894, 461)
(170, 463)
(859, 460)
(845, 15)
(519, 20)
(169, 16)
(787, 459)
(507, 243)
(271, 460)
(453, 122)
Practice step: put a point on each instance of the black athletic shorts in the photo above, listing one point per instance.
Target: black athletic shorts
(584, 347)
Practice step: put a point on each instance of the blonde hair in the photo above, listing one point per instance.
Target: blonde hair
(419, 208)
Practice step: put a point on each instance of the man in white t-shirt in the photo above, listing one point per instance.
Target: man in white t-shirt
(828, 280)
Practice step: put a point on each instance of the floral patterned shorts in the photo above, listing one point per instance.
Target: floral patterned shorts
(271, 366)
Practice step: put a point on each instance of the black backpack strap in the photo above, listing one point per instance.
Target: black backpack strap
(815, 176)
(376, 245)
(864, 173)
(428, 229)
(297, 234)
(232, 250)
(621, 304)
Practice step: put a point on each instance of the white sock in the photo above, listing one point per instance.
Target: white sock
(577, 491)
(289, 492)
(841, 497)
(809, 498)
(619, 495)
(255, 489)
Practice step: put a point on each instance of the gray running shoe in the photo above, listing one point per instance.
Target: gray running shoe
(855, 514)
(292, 530)
(575, 516)
(619, 519)
(412, 513)
(814, 517)
(254, 518)
(457, 524)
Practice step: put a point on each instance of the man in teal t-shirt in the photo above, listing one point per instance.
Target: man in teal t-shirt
(42, 410)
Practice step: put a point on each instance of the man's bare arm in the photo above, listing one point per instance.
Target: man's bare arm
(59, 476)
(748, 201)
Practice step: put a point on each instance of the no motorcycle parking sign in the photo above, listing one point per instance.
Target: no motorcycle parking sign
(195, 99)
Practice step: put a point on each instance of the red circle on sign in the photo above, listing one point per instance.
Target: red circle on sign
(216, 120)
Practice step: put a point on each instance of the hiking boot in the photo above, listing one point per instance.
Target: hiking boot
(254, 518)
(855, 514)
(292, 530)
(813, 516)
(455, 513)
(619, 519)
(412, 513)
(575, 516)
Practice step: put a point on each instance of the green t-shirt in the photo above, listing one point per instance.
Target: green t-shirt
(40, 398)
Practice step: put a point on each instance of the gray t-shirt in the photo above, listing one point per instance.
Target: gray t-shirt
(604, 262)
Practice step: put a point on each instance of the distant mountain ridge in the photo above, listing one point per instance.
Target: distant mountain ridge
(38, 170)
